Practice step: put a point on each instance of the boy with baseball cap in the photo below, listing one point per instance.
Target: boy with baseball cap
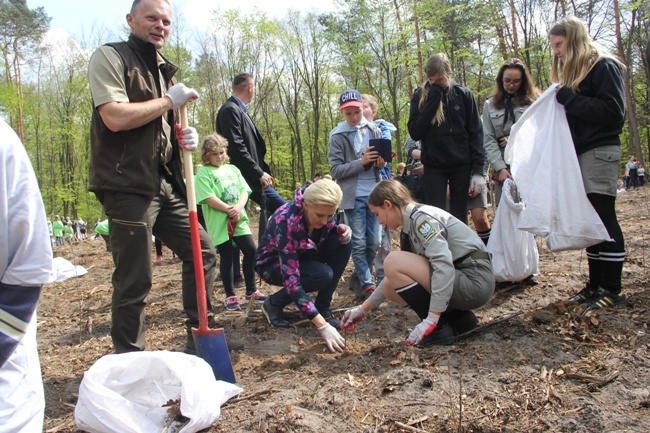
(355, 165)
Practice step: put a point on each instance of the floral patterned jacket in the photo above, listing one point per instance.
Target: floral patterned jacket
(285, 241)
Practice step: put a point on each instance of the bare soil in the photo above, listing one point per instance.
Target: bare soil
(548, 367)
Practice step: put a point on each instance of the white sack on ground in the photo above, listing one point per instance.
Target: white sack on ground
(545, 167)
(127, 393)
(64, 269)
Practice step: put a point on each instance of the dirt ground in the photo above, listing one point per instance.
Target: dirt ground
(548, 367)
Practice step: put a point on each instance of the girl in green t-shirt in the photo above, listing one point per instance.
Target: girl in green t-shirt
(222, 192)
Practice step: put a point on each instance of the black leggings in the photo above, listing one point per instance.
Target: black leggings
(606, 258)
(435, 190)
(246, 244)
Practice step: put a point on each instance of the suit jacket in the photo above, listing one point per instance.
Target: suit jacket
(246, 146)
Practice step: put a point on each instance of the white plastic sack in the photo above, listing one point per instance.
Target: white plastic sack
(545, 168)
(125, 393)
(64, 269)
(514, 252)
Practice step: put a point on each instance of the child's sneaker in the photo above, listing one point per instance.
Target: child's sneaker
(232, 304)
(159, 258)
(604, 299)
(257, 296)
(585, 295)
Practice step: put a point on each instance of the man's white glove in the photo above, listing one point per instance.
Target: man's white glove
(180, 94)
(424, 328)
(477, 185)
(351, 317)
(332, 338)
(187, 137)
(345, 233)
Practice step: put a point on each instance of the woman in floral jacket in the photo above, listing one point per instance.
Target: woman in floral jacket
(304, 251)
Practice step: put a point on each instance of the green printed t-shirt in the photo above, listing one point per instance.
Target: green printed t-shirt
(225, 183)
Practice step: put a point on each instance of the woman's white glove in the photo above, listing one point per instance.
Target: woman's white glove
(424, 328)
(180, 94)
(345, 233)
(351, 317)
(332, 338)
(477, 185)
(188, 138)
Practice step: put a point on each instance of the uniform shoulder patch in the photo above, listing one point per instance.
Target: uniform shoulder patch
(426, 230)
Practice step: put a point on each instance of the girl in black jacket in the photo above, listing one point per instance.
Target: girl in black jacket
(444, 118)
(592, 93)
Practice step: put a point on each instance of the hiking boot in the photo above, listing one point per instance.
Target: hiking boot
(233, 345)
(442, 336)
(232, 303)
(585, 295)
(274, 315)
(257, 296)
(461, 321)
(364, 293)
(604, 299)
(329, 318)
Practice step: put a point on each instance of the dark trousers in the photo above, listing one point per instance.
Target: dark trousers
(435, 190)
(319, 272)
(133, 219)
(226, 252)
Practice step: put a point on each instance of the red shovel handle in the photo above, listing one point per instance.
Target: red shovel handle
(201, 296)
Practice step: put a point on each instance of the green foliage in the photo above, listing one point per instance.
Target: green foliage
(302, 62)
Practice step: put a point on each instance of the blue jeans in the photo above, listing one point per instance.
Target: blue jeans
(365, 239)
(272, 199)
(320, 273)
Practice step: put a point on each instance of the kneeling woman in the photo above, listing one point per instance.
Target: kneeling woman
(442, 272)
(303, 250)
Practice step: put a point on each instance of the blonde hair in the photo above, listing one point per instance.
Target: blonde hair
(323, 192)
(370, 101)
(393, 191)
(582, 53)
(437, 64)
(211, 144)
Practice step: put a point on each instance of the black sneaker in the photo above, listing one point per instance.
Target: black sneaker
(604, 299)
(530, 280)
(462, 322)
(585, 295)
(442, 336)
(274, 315)
(329, 318)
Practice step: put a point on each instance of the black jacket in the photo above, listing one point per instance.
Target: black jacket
(458, 142)
(246, 146)
(596, 112)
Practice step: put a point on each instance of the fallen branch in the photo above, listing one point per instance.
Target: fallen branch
(481, 328)
(248, 397)
(408, 427)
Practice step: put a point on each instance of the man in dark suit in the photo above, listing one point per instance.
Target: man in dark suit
(246, 146)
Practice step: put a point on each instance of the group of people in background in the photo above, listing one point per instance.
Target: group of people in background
(66, 230)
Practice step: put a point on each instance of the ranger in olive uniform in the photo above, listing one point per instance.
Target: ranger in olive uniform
(442, 272)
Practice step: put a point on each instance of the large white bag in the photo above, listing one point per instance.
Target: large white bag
(127, 392)
(545, 167)
(514, 252)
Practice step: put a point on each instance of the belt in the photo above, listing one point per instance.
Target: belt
(476, 255)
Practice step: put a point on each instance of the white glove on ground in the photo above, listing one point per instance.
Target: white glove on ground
(345, 233)
(351, 317)
(332, 338)
(187, 137)
(477, 184)
(179, 94)
(424, 328)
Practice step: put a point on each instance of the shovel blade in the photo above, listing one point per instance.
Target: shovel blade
(212, 347)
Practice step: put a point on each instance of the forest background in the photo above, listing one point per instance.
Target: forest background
(302, 62)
